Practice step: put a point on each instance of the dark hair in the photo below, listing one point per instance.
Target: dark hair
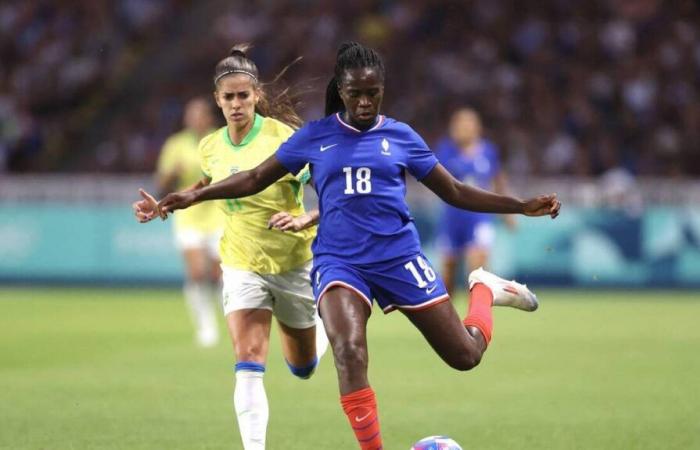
(351, 55)
(281, 106)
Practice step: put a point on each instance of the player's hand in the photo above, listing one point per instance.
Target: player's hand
(284, 221)
(543, 205)
(176, 200)
(147, 209)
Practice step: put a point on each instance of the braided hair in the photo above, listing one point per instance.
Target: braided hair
(282, 105)
(351, 55)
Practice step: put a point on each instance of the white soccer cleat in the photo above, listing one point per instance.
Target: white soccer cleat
(505, 293)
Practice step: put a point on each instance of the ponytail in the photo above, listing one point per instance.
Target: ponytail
(334, 103)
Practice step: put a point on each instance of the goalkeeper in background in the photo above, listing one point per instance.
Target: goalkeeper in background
(197, 230)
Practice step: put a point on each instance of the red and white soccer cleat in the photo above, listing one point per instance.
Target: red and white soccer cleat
(505, 293)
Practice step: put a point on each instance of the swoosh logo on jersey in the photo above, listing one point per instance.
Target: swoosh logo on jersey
(326, 147)
(360, 419)
(430, 290)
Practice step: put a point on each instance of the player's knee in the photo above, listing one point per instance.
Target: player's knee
(304, 372)
(466, 361)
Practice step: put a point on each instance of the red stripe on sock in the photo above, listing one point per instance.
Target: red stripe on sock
(480, 315)
(360, 407)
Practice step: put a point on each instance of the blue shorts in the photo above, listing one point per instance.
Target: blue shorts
(407, 283)
(455, 236)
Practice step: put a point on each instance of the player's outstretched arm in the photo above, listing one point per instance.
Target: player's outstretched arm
(284, 221)
(463, 196)
(241, 184)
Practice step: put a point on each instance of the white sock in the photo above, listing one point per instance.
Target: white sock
(250, 402)
(201, 308)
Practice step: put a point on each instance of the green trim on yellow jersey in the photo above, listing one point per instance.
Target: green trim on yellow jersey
(257, 126)
(305, 176)
(296, 188)
(248, 244)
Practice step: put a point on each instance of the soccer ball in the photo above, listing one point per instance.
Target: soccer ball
(436, 443)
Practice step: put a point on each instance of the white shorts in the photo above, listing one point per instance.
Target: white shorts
(288, 295)
(191, 239)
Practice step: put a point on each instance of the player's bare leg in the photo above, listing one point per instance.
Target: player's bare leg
(461, 343)
(250, 334)
(460, 346)
(345, 318)
(249, 330)
(476, 256)
(215, 280)
(197, 292)
(215, 272)
(302, 349)
(449, 268)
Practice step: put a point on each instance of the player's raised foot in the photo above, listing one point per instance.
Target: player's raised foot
(505, 293)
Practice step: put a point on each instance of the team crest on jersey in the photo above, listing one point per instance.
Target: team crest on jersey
(385, 147)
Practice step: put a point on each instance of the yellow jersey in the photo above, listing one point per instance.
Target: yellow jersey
(247, 243)
(179, 157)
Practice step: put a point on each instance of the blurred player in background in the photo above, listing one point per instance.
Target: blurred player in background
(473, 160)
(265, 271)
(367, 245)
(198, 230)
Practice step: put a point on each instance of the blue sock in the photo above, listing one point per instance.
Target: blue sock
(303, 372)
(249, 366)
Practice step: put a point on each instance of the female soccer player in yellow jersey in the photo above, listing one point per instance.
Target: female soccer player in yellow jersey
(197, 230)
(265, 271)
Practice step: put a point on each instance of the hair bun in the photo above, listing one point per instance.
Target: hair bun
(347, 45)
(239, 50)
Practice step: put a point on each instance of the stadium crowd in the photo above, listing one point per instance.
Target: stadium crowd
(563, 88)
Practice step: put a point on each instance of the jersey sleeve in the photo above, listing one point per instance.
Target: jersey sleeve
(203, 156)
(421, 160)
(443, 150)
(293, 153)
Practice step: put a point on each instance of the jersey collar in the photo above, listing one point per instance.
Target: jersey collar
(378, 123)
(257, 125)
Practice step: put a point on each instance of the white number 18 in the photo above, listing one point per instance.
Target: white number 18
(363, 185)
(427, 271)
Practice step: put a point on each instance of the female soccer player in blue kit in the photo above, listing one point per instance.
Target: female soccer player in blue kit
(472, 159)
(367, 245)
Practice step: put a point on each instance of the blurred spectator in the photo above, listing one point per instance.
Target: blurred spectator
(99, 85)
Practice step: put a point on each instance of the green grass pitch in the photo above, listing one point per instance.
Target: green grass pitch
(117, 369)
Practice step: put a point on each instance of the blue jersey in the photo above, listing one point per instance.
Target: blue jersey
(478, 169)
(360, 180)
